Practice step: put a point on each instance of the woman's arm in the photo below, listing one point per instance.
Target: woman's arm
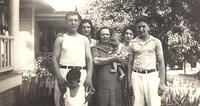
(130, 64)
(103, 61)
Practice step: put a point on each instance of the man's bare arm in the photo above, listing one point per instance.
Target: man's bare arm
(89, 63)
(160, 59)
(56, 56)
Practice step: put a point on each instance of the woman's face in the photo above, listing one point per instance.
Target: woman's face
(128, 35)
(105, 36)
(86, 29)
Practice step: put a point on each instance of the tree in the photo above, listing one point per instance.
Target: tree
(172, 19)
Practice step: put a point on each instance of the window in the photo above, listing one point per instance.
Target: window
(6, 40)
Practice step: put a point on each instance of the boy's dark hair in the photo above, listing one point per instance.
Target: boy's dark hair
(69, 13)
(73, 74)
(145, 19)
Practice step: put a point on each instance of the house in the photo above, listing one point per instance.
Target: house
(27, 30)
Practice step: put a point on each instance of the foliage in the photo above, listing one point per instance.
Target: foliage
(167, 15)
(181, 92)
(181, 45)
(106, 13)
(37, 83)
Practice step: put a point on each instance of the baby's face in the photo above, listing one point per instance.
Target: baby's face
(73, 83)
(115, 39)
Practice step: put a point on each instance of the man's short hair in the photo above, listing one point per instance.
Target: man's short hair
(73, 74)
(145, 19)
(70, 13)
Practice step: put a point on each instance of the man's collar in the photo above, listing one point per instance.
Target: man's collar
(138, 40)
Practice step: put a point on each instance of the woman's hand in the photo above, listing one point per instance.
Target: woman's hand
(130, 88)
(119, 58)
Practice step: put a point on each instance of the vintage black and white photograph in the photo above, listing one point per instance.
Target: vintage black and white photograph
(99, 52)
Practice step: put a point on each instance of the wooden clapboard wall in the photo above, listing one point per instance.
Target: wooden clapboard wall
(10, 97)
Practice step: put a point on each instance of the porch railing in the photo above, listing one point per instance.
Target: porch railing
(6, 53)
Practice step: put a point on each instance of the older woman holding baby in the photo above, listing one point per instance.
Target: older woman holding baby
(108, 89)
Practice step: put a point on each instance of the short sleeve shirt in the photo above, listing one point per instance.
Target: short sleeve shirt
(144, 53)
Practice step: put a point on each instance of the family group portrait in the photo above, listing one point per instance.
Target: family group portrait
(99, 52)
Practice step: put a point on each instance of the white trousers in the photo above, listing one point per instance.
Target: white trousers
(64, 73)
(145, 88)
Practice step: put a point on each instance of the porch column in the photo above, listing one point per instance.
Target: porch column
(14, 30)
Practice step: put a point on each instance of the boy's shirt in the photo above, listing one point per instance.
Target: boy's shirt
(78, 100)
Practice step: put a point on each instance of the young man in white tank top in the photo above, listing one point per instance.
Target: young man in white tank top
(72, 50)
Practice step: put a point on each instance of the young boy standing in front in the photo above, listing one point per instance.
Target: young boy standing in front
(75, 93)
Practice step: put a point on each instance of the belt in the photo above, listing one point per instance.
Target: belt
(145, 71)
(70, 67)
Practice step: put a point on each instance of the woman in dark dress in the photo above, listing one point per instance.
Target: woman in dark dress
(108, 85)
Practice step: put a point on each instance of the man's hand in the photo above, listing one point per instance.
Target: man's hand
(61, 85)
(161, 89)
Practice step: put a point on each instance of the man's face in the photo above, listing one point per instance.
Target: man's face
(142, 29)
(105, 36)
(72, 23)
(86, 29)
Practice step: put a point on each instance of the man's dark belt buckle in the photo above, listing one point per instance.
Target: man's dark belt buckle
(144, 71)
(71, 67)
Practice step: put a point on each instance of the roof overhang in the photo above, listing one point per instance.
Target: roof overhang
(39, 5)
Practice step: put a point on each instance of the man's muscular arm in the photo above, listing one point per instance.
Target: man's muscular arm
(89, 63)
(160, 59)
(56, 57)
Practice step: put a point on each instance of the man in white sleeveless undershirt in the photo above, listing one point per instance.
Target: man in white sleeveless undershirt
(72, 50)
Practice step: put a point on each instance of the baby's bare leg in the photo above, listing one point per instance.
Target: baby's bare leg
(114, 69)
(122, 75)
